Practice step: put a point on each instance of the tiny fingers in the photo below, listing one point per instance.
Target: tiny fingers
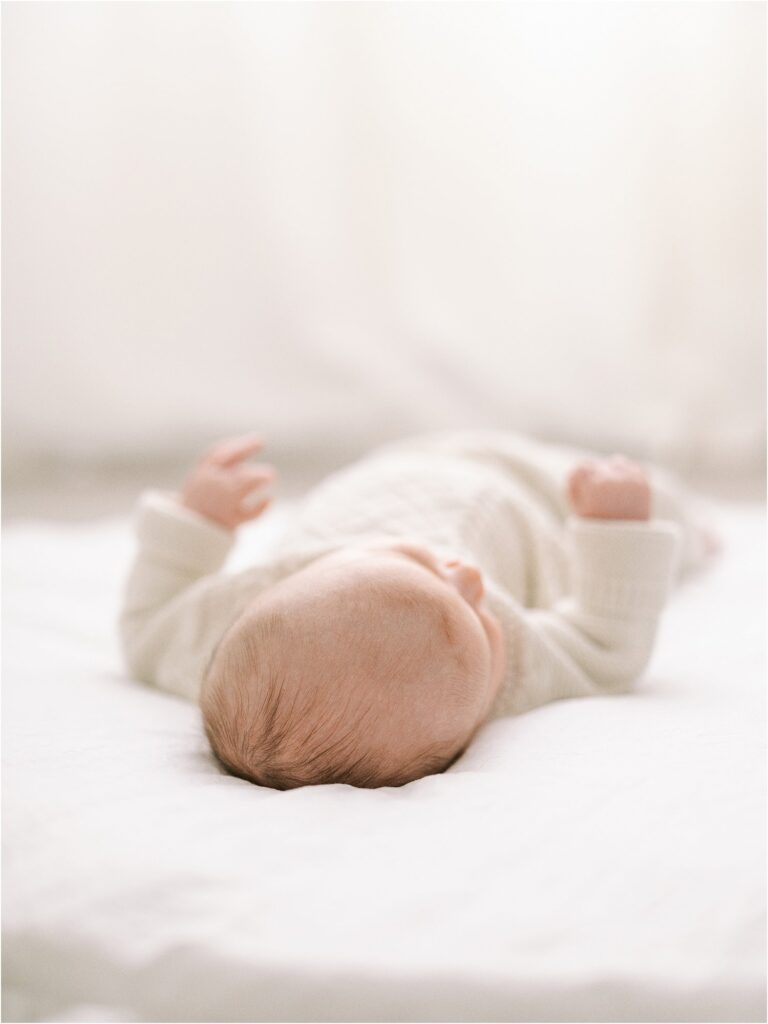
(250, 481)
(232, 450)
(251, 511)
(621, 465)
(250, 477)
(576, 478)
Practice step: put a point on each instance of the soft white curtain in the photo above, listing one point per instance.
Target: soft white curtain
(339, 222)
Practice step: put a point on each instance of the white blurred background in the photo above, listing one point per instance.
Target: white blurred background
(339, 223)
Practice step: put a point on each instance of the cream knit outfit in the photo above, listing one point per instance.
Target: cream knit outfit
(578, 599)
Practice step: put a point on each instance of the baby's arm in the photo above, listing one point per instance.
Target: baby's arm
(599, 638)
(176, 604)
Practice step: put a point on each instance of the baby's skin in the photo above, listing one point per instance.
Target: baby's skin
(415, 656)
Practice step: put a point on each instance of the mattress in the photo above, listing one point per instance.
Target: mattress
(599, 859)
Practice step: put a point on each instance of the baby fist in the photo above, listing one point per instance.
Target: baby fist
(612, 488)
(223, 488)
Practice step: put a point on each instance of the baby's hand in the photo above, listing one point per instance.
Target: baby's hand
(612, 488)
(222, 488)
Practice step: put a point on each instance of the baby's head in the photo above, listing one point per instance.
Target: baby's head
(372, 666)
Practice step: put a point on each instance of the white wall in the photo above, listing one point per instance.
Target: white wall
(338, 222)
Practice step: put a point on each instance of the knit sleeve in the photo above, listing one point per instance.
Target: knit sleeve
(600, 637)
(175, 602)
(177, 605)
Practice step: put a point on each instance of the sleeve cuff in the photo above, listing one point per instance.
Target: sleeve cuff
(179, 535)
(623, 567)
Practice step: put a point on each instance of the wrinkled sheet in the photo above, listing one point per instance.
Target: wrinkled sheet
(594, 860)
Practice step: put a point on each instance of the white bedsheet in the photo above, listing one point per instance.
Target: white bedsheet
(595, 860)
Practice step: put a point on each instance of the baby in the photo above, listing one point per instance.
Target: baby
(437, 583)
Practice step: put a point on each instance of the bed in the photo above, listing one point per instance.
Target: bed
(594, 860)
